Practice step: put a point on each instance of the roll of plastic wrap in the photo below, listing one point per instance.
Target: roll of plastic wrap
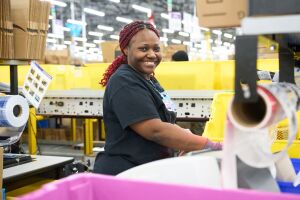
(247, 132)
(14, 111)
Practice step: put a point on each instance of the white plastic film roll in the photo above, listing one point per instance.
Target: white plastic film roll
(14, 111)
(247, 133)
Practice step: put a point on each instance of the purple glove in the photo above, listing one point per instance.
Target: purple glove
(213, 145)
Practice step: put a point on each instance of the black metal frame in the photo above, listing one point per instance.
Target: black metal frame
(245, 64)
(13, 79)
(13, 69)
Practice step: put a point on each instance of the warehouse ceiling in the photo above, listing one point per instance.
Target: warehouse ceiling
(112, 9)
(124, 9)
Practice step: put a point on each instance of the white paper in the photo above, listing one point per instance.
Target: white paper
(36, 84)
(249, 139)
(9, 118)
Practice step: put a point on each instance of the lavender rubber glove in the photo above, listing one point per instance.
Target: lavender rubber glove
(213, 145)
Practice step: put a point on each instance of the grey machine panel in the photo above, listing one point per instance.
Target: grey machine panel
(191, 104)
(72, 103)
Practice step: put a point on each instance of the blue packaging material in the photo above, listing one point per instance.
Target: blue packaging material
(43, 123)
(287, 187)
(3, 194)
(296, 164)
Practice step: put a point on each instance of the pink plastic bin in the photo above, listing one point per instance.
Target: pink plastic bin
(92, 187)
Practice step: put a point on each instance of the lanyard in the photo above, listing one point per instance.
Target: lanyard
(165, 98)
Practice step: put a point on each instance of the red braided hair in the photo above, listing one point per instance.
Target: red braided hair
(125, 36)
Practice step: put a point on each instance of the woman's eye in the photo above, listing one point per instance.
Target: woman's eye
(143, 49)
(157, 49)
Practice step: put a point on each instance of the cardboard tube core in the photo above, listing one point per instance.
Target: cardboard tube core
(249, 114)
(17, 110)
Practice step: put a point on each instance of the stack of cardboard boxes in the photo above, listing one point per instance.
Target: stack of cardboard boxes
(26, 22)
(61, 57)
(30, 18)
(229, 13)
(6, 31)
(110, 50)
(168, 51)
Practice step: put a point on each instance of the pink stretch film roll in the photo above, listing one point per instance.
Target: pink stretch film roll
(247, 134)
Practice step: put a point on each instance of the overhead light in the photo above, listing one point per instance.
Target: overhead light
(124, 20)
(49, 40)
(188, 43)
(94, 12)
(106, 28)
(94, 49)
(217, 32)
(98, 41)
(142, 9)
(184, 34)
(163, 39)
(66, 29)
(60, 46)
(175, 41)
(227, 44)
(116, 37)
(219, 42)
(227, 35)
(63, 28)
(97, 34)
(68, 42)
(164, 15)
(203, 29)
(115, 1)
(79, 48)
(52, 35)
(72, 21)
(185, 22)
(79, 39)
(90, 45)
(57, 3)
(165, 30)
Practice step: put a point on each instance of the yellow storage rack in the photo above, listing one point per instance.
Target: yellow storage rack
(215, 127)
(192, 75)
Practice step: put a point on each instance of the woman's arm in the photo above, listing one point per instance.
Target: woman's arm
(169, 135)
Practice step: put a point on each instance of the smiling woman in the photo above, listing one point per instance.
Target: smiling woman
(139, 116)
(143, 52)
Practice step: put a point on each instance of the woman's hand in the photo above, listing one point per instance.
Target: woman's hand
(213, 145)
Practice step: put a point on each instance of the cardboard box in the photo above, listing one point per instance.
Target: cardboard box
(110, 50)
(61, 57)
(52, 134)
(6, 31)
(30, 31)
(168, 51)
(221, 13)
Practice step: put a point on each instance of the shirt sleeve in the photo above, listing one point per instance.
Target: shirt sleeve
(133, 103)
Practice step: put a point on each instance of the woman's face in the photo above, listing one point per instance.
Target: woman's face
(143, 52)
